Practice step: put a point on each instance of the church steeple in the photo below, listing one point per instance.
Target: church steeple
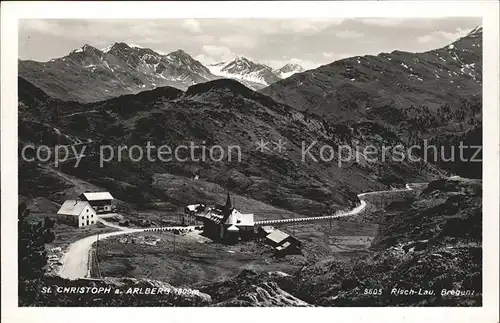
(228, 209)
(228, 202)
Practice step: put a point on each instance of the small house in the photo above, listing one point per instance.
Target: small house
(101, 202)
(77, 213)
(282, 242)
(190, 212)
(263, 231)
(194, 208)
(187, 219)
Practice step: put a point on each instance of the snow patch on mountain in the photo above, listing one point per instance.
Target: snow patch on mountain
(289, 69)
(107, 48)
(243, 69)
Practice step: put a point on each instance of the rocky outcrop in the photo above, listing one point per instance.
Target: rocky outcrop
(250, 288)
(264, 295)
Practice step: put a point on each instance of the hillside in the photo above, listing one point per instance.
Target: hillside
(225, 113)
(352, 87)
(161, 131)
(88, 74)
(429, 244)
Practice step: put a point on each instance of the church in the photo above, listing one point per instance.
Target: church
(225, 223)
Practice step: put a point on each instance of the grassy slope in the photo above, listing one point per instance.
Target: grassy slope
(432, 243)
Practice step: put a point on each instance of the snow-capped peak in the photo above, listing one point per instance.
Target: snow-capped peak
(289, 69)
(107, 48)
(85, 48)
(476, 31)
(242, 61)
(243, 69)
(120, 45)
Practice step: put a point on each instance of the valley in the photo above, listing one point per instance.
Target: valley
(415, 222)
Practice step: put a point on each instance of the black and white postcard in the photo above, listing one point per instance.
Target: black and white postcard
(274, 154)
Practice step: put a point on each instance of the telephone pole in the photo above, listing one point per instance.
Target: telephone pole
(97, 251)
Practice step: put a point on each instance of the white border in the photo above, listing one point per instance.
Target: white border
(12, 11)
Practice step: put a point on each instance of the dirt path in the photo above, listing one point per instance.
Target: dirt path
(354, 211)
(75, 260)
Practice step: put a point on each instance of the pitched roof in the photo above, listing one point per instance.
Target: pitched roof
(277, 236)
(210, 215)
(240, 219)
(267, 229)
(192, 207)
(72, 207)
(283, 246)
(97, 196)
(233, 228)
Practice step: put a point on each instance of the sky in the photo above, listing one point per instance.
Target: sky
(275, 42)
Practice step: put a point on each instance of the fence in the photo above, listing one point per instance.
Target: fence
(93, 268)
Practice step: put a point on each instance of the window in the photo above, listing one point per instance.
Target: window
(87, 210)
(83, 217)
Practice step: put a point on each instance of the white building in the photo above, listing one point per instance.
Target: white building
(100, 201)
(78, 213)
(241, 220)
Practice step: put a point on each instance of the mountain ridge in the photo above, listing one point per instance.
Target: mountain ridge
(88, 74)
(222, 112)
(350, 87)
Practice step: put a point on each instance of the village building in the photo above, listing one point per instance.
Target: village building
(283, 242)
(194, 208)
(223, 222)
(244, 223)
(101, 202)
(77, 213)
(187, 219)
(189, 215)
(263, 231)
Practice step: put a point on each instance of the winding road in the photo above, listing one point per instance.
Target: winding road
(354, 211)
(75, 260)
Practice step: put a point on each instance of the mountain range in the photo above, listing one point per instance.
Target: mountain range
(389, 99)
(88, 74)
(361, 86)
(257, 75)
(128, 95)
(222, 112)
